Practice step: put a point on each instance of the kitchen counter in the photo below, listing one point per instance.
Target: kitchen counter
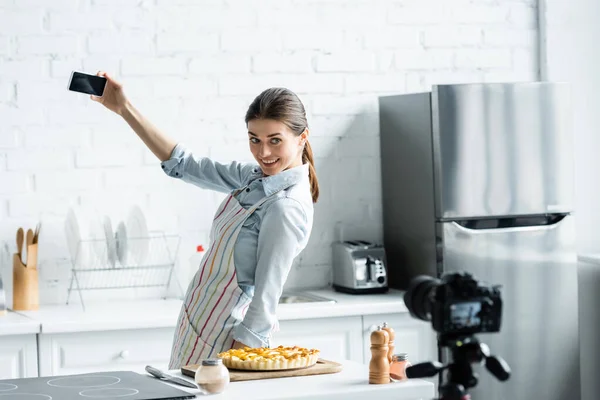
(163, 313)
(13, 323)
(349, 384)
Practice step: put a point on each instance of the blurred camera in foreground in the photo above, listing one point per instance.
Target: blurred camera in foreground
(456, 304)
(458, 307)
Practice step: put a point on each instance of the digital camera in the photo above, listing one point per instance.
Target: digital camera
(456, 304)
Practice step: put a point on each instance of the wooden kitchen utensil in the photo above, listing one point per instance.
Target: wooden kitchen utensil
(20, 238)
(32, 253)
(25, 283)
(28, 242)
(36, 234)
(321, 367)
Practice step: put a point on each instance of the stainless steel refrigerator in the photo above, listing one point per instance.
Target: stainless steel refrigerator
(479, 178)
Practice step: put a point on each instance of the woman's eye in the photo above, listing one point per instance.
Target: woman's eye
(275, 140)
(254, 140)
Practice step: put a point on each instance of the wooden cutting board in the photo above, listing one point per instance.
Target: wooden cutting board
(321, 367)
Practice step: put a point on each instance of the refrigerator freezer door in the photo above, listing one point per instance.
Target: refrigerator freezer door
(502, 149)
(539, 337)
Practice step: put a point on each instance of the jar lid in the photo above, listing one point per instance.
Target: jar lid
(212, 361)
(401, 356)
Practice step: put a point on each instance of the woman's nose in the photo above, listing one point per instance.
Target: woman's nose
(265, 151)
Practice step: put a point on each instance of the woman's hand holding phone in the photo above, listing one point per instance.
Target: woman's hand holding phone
(113, 97)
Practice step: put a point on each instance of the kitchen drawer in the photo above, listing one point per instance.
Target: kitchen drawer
(18, 356)
(81, 352)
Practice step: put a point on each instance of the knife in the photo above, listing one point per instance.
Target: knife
(169, 378)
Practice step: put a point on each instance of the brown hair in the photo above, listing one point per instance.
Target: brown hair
(283, 105)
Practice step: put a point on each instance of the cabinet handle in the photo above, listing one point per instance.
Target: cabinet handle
(124, 354)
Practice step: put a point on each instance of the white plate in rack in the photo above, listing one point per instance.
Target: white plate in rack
(85, 236)
(121, 244)
(77, 235)
(137, 235)
(111, 245)
(96, 239)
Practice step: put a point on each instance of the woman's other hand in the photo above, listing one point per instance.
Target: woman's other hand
(238, 345)
(113, 97)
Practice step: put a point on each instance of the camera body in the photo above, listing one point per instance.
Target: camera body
(456, 304)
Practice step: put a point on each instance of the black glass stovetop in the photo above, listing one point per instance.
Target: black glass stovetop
(121, 385)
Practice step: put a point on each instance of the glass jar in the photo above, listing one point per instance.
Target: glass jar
(398, 366)
(212, 376)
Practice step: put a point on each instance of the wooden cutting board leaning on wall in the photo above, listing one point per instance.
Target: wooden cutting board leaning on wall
(321, 367)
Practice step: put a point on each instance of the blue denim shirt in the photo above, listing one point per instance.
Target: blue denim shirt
(269, 239)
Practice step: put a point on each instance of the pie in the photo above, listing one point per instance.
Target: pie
(266, 358)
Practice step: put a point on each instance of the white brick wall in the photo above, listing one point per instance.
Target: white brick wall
(193, 67)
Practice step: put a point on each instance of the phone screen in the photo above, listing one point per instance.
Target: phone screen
(90, 84)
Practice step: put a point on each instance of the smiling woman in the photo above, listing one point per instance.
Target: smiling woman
(258, 230)
(277, 128)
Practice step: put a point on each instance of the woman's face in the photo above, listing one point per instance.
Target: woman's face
(274, 145)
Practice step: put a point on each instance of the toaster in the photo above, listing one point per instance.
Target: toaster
(359, 267)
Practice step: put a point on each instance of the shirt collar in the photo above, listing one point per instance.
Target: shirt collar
(283, 180)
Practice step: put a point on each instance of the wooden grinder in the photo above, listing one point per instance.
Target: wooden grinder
(379, 367)
(391, 345)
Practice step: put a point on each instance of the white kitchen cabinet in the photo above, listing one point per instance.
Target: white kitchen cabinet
(337, 338)
(413, 336)
(81, 352)
(18, 356)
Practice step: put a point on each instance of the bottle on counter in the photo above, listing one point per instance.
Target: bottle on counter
(398, 366)
(212, 376)
(392, 336)
(379, 366)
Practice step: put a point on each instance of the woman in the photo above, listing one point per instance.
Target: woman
(258, 230)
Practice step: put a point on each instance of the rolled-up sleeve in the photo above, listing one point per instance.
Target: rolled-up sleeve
(206, 173)
(283, 234)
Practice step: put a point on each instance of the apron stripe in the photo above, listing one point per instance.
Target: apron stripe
(217, 340)
(201, 298)
(209, 282)
(214, 291)
(232, 309)
(215, 307)
(235, 307)
(201, 284)
(226, 204)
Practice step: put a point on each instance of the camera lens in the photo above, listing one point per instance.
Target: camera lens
(416, 297)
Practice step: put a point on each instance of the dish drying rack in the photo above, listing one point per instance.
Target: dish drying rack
(142, 262)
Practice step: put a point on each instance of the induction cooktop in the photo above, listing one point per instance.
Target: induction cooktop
(121, 385)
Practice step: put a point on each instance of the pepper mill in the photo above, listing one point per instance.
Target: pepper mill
(392, 335)
(379, 366)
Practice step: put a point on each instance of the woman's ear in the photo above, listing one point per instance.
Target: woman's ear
(304, 136)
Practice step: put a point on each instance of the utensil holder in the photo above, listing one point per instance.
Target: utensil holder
(26, 295)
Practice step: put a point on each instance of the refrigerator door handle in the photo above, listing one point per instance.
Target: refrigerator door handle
(511, 224)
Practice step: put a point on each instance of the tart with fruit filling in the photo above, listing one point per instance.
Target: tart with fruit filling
(269, 359)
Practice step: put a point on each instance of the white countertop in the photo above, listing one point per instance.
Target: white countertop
(14, 324)
(110, 315)
(349, 384)
(141, 314)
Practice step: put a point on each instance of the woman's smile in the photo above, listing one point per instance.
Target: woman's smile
(269, 162)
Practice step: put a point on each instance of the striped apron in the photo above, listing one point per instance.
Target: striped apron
(214, 303)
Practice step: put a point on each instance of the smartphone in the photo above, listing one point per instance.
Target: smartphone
(85, 83)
